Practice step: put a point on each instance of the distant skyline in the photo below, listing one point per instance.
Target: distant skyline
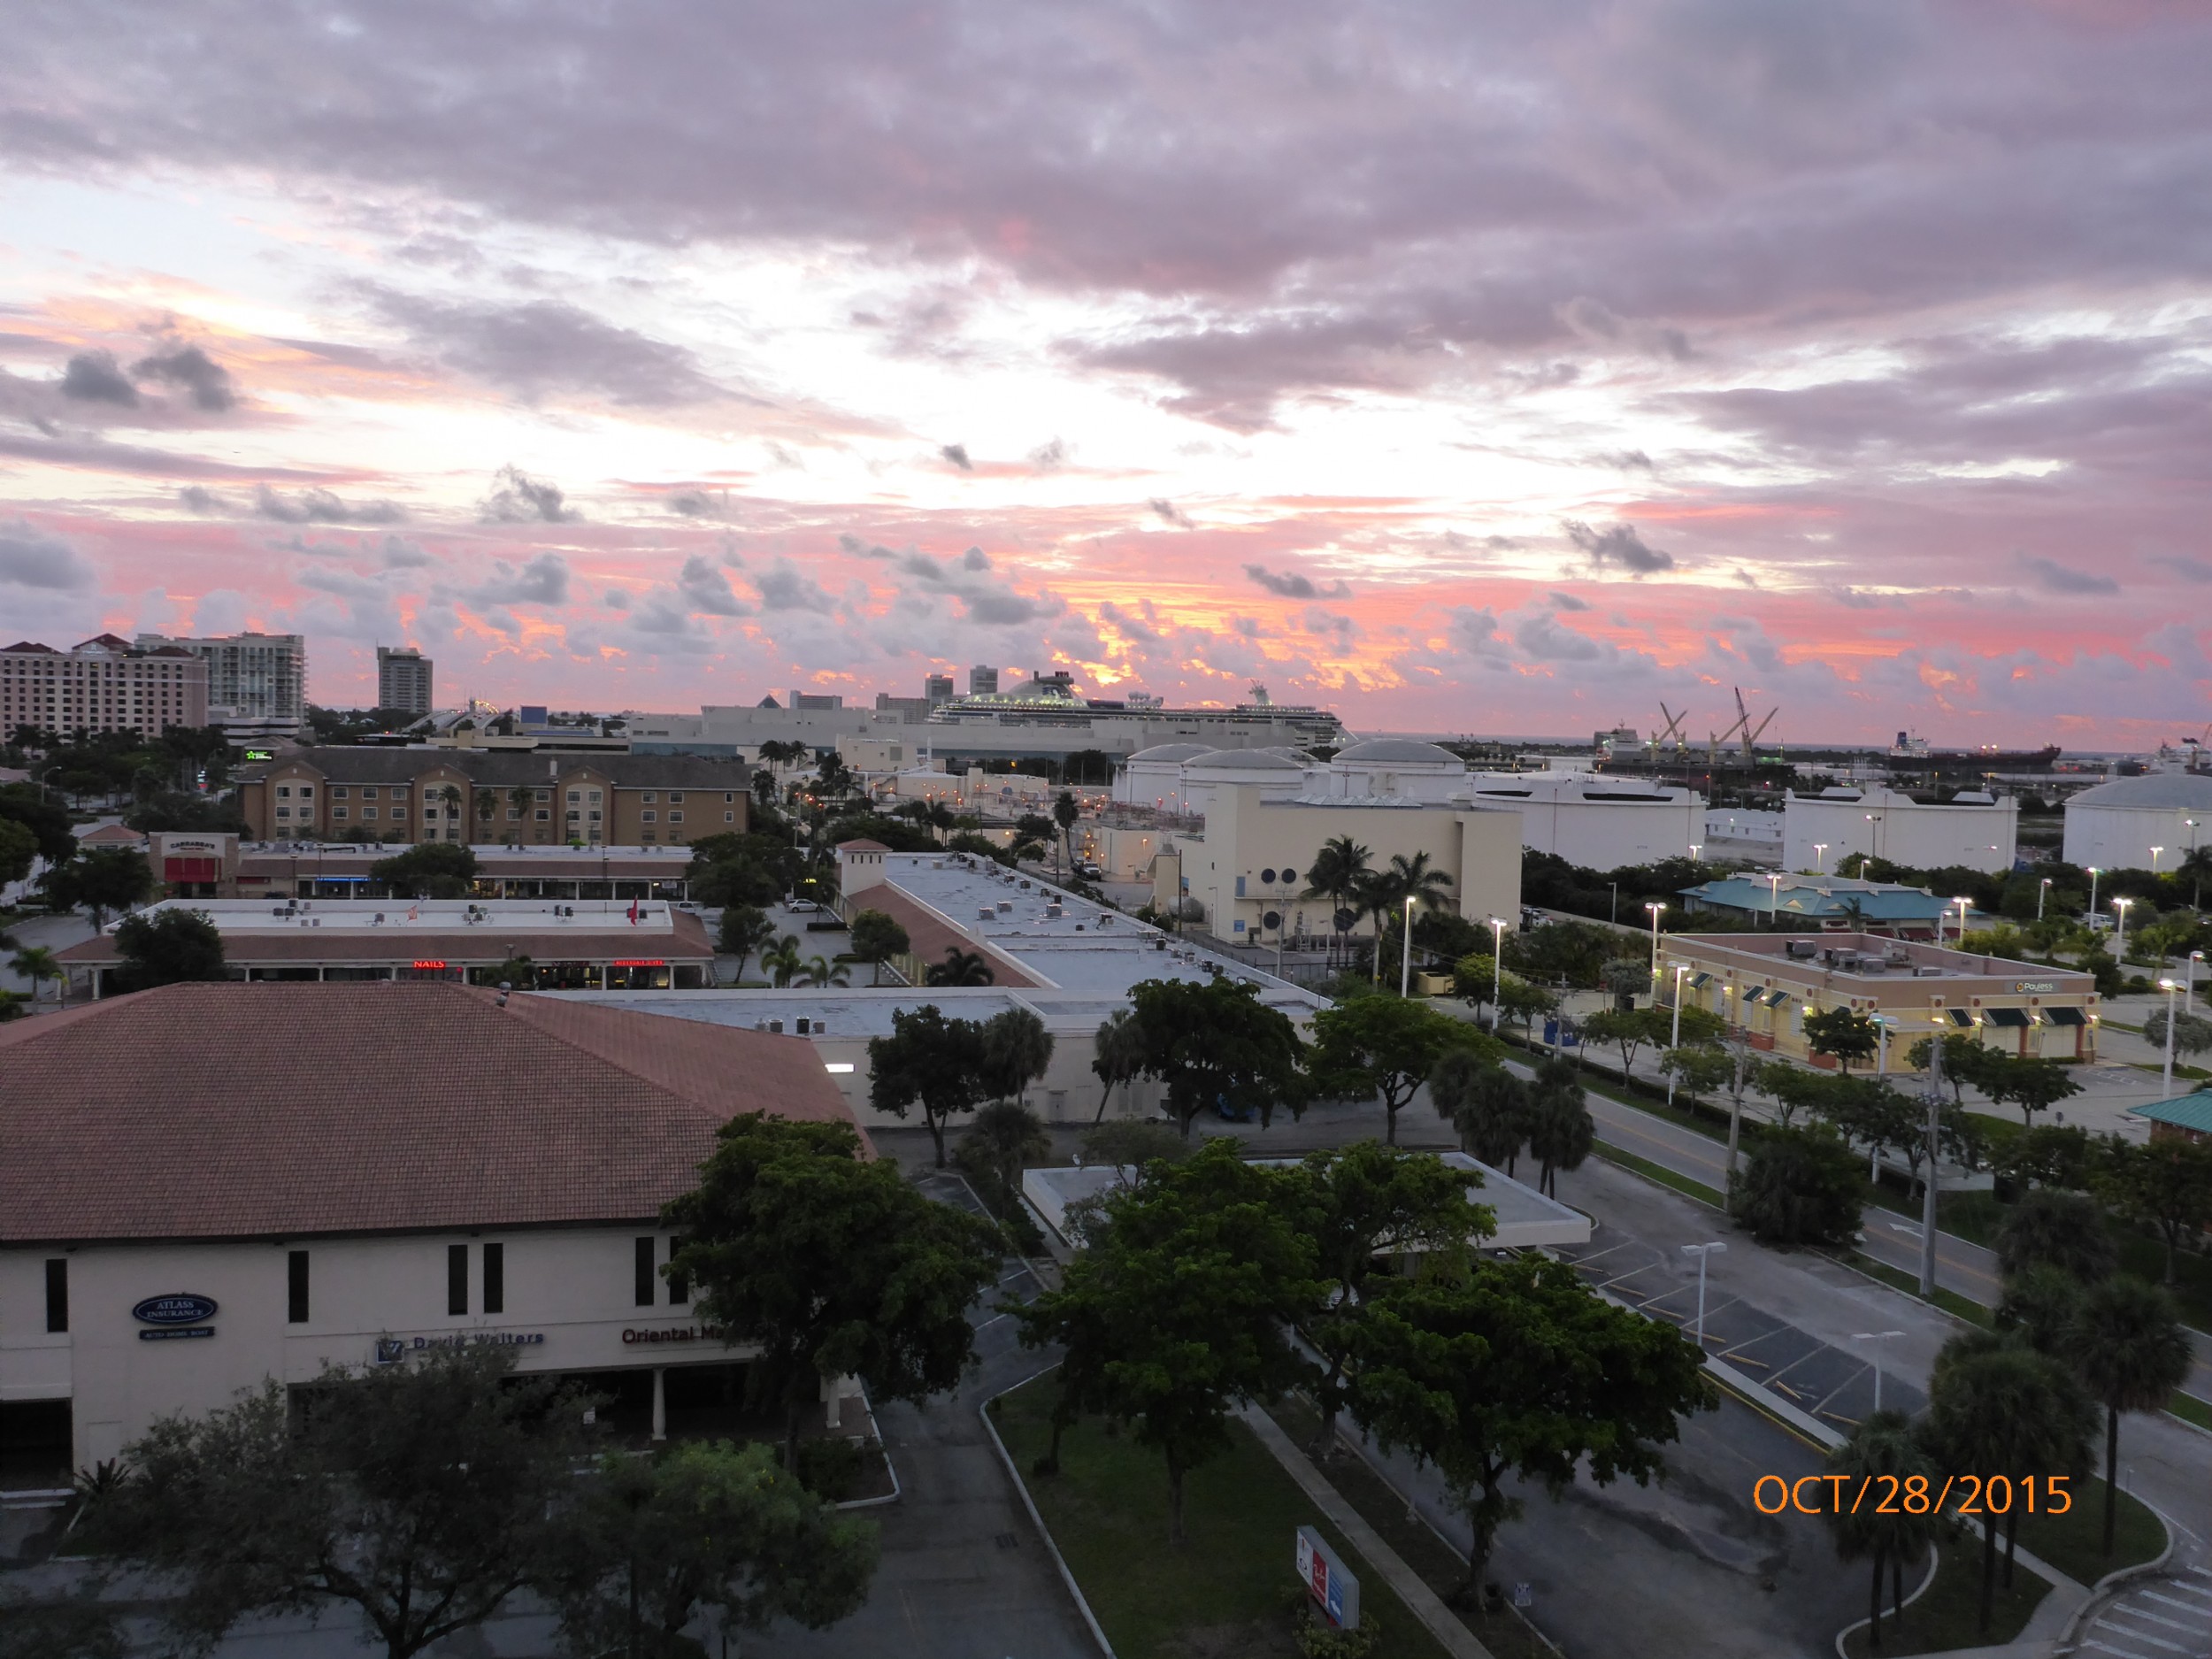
(1498, 368)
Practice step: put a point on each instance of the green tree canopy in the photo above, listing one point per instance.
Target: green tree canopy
(930, 1061)
(1561, 1133)
(1016, 1051)
(743, 929)
(1802, 1186)
(2166, 1183)
(1485, 1103)
(961, 967)
(167, 948)
(1386, 1046)
(1627, 1028)
(1519, 1370)
(2127, 1342)
(2032, 1085)
(877, 938)
(106, 878)
(432, 870)
(1843, 1034)
(25, 803)
(1882, 1448)
(19, 850)
(830, 1264)
(2050, 1227)
(1218, 1044)
(418, 1491)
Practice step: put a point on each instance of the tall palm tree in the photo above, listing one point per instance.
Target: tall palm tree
(1010, 1136)
(1118, 1056)
(2197, 866)
(1484, 1102)
(1337, 871)
(1882, 1447)
(2127, 1342)
(781, 961)
(37, 963)
(961, 967)
(2059, 1229)
(1561, 1131)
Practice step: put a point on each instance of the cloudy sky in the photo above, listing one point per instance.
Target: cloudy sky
(1473, 367)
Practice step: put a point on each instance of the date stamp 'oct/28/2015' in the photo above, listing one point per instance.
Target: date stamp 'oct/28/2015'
(1911, 1494)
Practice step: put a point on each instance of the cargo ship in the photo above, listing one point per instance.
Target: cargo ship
(1914, 754)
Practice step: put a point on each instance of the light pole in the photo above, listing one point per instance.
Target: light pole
(1881, 1045)
(1774, 899)
(2166, 1090)
(1497, 968)
(2093, 892)
(1878, 1338)
(1675, 1042)
(2189, 992)
(1655, 907)
(1701, 1251)
(1405, 970)
(2120, 939)
(1928, 1192)
(1963, 904)
(1820, 858)
(2155, 852)
(1696, 847)
(2042, 892)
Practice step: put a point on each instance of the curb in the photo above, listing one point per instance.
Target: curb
(1935, 1561)
(1037, 1520)
(889, 1468)
(2118, 1576)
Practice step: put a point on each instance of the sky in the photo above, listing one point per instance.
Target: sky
(1466, 367)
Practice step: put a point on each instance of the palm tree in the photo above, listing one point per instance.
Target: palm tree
(37, 963)
(822, 970)
(2197, 866)
(1010, 1136)
(1484, 1102)
(1415, 879)
(1017, 1050)
(1118, 1058)
(781, 961)
(1064, 813)
(962, 967)
(1337, 871)
(1561, 1131)
(2126, 1341)
(520, 798)
(2058, 1229)
(1882, 1447)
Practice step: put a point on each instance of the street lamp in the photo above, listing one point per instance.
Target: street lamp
(1820, 858)
(2170, 987)
(2120, 939)
(1774, 897)
(1963, 904)
(1497, 967)
(1655, 907)
(2042, 892)
(1675, 1041)
(1696, 847)
(1878, 1338)
(2190, 991)
(2155, 852)
(2093, 890)
(1701, 1251)
(1405, 972)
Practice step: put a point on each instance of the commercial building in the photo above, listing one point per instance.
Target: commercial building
(519, 797)
(1599, 822)
(206, 1185)
(605, 944)
(2184, 1117)
(2116, 826)
(1766, 984)
(1973, 828)
(1843, 902)
(102, 684)
(1249, 869)
(403, 680)
(982, 681)
(198, 863)
(256, 683)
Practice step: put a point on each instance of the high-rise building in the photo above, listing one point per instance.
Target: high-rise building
(818, 700)
(937, 689)
(256, 683)
(105, 683)
(982, 681)
(402, 679)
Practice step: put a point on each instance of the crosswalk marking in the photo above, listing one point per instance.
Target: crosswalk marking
(2144, 1635)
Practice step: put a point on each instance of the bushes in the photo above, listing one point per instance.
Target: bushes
(1802, 1186)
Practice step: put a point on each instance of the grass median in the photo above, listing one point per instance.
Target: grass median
(1949, 1616)
(1232, 1588)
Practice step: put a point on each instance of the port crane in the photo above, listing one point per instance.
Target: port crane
(1740, 727)
(1673, 730)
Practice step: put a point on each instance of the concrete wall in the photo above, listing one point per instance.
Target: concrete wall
(1886, 825)
(2121, 837)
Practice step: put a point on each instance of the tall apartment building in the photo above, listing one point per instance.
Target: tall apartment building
(402, 679)
(937, 689)
(256, 683)
(103, 684)
(982, 681)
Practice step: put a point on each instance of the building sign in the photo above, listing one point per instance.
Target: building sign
(261, 754)
(2030, 987)
(430, 965)
(639, 961)
(674, 1334)
(391, 1348)
(1325, 1579)
(179, 1308)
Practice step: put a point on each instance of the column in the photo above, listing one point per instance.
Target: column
(660, 1402)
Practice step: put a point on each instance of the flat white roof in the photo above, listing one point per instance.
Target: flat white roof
(424, 916)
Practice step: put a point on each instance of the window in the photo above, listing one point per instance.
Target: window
(595, 816)
(675, 818)
(648, 835)
(575, 796)
(644, 1272)
(646, 794)
(368, 811)
(649, 817)
(514, 815)
(544, 794)
(457, 1279)
(284, 792)
(728, 798)
(544, 814)
(307, 792)
(729, 818)
(368, 791)
(338, 792)
(679, 1286)
(341, 813)
(295, 1288)
(284, 811)
(494, 1278)
(675, 796)
(57, 1292)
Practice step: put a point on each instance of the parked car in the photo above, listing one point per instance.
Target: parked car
(801, 906)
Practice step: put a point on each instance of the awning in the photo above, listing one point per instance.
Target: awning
(1959, 1016)
(1775, 998)
(2065, 1016)
(2015, 1017)
(1699, 981)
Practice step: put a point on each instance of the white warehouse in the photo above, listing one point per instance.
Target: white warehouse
(2116, 825)
(1973, 828)
(1597, 822)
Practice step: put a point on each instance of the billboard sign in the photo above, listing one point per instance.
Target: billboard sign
(1327, 1580)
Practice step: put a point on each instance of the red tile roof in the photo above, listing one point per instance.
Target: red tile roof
(280, 1110)
(928, 936)
(862, 844)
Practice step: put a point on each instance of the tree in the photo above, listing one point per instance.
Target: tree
(927, 1059)
(782, 961)
(2193, 1032)
(2006, 1412)
(1179, 1310)
(18, 851)
(744, 930)
(1519, 1000)
(1791, 1088)
(1965, 1061)
(1386, 1046)
(48, 821)
(418, 1491)
(1064, 813)
(1628, 1028)
(2032, 1085)
(1881, 1449)
(2048, 1154)
(1115, 1056)
(646, 1543)
(1698, 1068)
(1521, 1369)
(829, 1265)
(1560, 1132)
(961, 967)
(1338, 872)
(2039, 1304)
(2166, 1182)
(1016, 1051)
(1800, 1185)
(1473, 976)
(107, 878)
(37, 963)
(1217, 1044)
(821, 970)
(1362, 1206)
(877, 938)
(1844, 1035)
(1009, 1138)
(1486, 1103)
(2127, 1342)
(168, 948)
(2050, 1227)
(433, 869)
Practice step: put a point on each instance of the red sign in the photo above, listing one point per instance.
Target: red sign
(430, 965)
(638, 962)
